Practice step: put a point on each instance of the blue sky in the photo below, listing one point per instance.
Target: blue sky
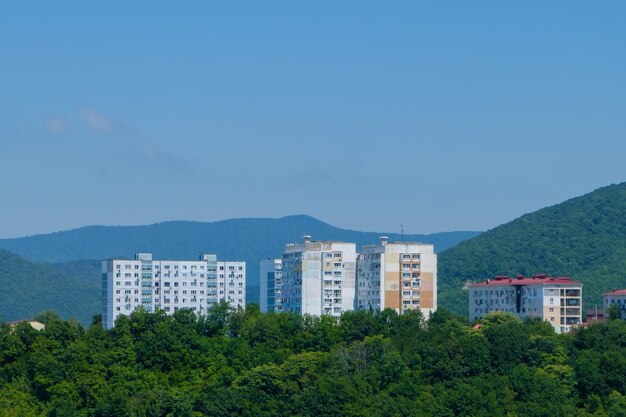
(435, 115)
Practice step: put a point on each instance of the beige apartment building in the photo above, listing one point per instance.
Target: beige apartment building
(397, 275)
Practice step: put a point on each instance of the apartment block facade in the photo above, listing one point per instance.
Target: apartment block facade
(169, 285)
(397, 275)
(617, 298)
(557, 300)
(318, 277)
(270, 281)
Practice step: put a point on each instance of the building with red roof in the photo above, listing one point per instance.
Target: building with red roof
(618, 298)
(556, 300)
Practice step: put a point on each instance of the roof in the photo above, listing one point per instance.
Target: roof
(33, 323)
(539, 279)
(616, 292)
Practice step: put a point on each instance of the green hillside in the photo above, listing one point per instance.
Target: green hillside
(584, 238)
(29, 288)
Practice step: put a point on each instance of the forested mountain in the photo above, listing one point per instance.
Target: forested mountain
(28, 288)
(584, 238)
(249, 364)
(235, 239)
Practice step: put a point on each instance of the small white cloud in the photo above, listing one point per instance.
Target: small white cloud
(96, 120)
(151, 154)
(154, 157)
(56, 125)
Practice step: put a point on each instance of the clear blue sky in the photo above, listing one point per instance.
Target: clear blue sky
(437, 115)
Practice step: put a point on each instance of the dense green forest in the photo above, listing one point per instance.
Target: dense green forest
(245, 363)
(584, 238)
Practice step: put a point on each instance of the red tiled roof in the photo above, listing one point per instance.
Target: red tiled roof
(522, 280)
(616, 292)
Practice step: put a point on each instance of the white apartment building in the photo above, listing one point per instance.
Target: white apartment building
(618, 298)
(271, 272)
(556, 300)
(397, 275)
(318, 277)
(169, 285)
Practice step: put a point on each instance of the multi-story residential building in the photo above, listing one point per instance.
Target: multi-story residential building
(270, 280)
(397, 275)
(556, 300)
(617, 298)
(318, 277)
(169, 285)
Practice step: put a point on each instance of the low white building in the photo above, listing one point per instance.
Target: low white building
(556, 300)
(318, 277)
(397, 275)
(169, 285)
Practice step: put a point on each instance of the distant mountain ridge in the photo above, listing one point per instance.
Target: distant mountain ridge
(230, 239)
(74, 256)
(584, 238)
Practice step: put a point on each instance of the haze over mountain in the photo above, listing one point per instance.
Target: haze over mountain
(584, 237)
(235, 239)
(75, 255)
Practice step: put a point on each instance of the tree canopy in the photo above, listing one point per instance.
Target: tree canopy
(247, 363)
